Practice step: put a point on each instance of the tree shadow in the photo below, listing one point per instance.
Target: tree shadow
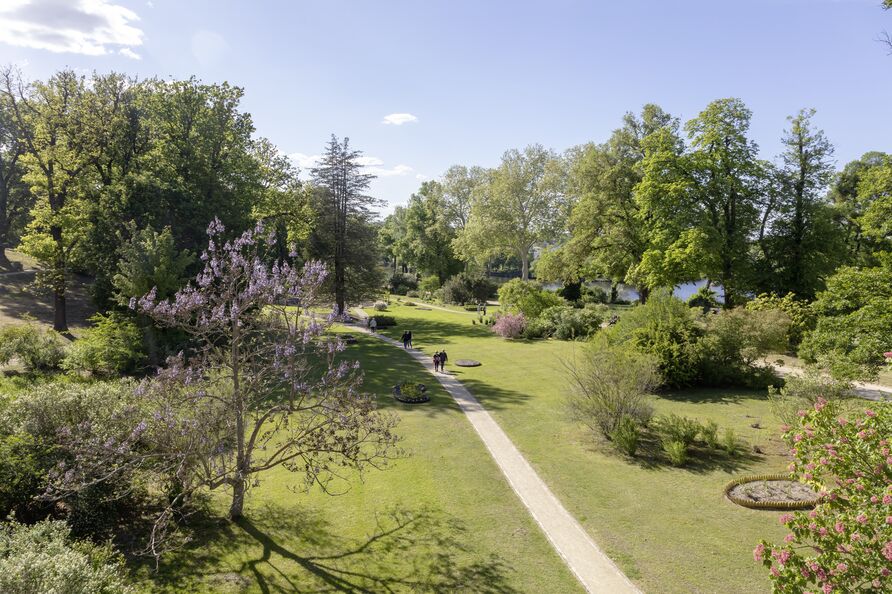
(18, 300)
(726, 395)
(408, 550)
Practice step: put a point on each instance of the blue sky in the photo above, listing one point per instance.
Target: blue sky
(479, 77)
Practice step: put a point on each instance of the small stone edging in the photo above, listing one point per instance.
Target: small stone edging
(766, 505)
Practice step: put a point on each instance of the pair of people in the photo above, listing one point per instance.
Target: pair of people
(407, 339)
(440, 359)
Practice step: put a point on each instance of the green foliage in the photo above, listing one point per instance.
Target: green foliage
(527, 297)
(675, 428)
(800, 313)
(401, 284)
(429, 284)
(24, 463)
(568, 323)
(467, 288)
(35, 348)
(44, 558)
(854, 323)
(729, 442)
(665, 329)
(626, 436)
(733, 343)
(676, 452)
(845, 540)
(113, 345)
(610, 384)
(704, 298)
(384, 321)
(380, 306)
(709, 433)
(801, 392)
(150, 259)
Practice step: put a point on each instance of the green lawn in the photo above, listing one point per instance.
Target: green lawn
(670, 530)
(441, 519)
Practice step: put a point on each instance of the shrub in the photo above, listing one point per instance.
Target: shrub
(380, 306)
(709, 433)
(801, 392)
(626, 436)
(35, 348)
(610, 384)
(730, 442)
(572, 292)
(113, 345)
(854, 323)
(538, 328)
(509, 325)
(412, 294)
(24, 464)
(568, 323)
(400, 284)
(593, 295)
(677, 428)
(734, 340)
(467, 288)
(384, 321)
(43, 558)
(665, 329)
(527, 297)
(429, 284)
(845, 543)
(676, 452)
(801, 315)
(704, 298)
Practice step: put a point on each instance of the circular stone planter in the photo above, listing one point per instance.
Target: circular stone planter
(467, 363)
(771, 492)
(413, 399)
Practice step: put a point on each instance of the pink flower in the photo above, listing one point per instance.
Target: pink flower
(758, 552)
(827, 589)
(842, 568)
(842, 421)
(887, 550)
(789, 538)
(783, 557)
(862, 519)
(822, 531)
(870, 413)
(785, 518)
(889, 519)
(887, 499)
(840, 527)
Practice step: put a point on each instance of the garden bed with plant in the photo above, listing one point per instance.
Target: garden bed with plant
(411, 393)
(771, 492)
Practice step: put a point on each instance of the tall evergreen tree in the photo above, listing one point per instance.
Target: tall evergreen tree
(799, 242)
(343, 235)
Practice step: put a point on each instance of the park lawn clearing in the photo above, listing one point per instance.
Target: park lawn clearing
(442, 519)
(668, 529)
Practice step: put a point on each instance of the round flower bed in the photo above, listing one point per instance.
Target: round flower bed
(467, 363)
(770, 491)
(411, 393)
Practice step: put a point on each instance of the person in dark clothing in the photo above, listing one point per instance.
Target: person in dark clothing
(405, 339)
(409, 338)
(443, 359)
(484, 309)
(436, 361)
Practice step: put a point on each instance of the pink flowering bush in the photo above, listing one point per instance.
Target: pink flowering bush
(510, 325)
(845, 543)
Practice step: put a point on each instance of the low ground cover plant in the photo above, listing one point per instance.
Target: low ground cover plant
(113, 345)
(35, 348)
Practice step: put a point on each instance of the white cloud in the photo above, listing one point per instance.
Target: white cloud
(305, 161)
(369, 161)
(398, 119)
(396, 170)
(126, 51)
(90, 27)
(208, 47)
(420, 176)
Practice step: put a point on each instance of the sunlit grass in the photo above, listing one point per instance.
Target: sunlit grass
(670, 529)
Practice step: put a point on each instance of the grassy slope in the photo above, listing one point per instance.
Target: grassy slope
(469, 531)
(671, 530)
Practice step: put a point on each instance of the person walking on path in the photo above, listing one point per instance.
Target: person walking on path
(436, 361)
(405, 339)
(443, 359)
(373, 325)
(409, 338)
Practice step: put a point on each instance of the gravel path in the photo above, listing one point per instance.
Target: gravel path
(595, 571)
(867, 390)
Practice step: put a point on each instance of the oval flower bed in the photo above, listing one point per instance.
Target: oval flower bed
(771, 491)
(411, 393)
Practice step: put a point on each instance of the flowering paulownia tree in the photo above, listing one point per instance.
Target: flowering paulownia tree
(845, 543)
(262, 385)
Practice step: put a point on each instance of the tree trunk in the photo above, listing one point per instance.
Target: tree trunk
(643, 294)
(525, 265)
(614, 290)
(238, 499)
(60, 316)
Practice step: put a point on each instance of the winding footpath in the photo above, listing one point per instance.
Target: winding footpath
(594, 570)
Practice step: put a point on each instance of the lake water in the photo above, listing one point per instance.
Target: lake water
(627, 293)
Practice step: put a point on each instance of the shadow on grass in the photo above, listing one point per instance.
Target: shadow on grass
(294, 550)
(729, 395)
